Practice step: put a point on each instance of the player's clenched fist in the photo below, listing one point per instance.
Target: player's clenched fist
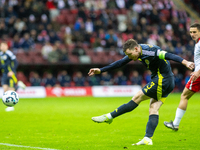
(94, 71)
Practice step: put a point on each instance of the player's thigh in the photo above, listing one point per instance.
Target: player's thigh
(140, 96)
(154, 106)
(5, 87)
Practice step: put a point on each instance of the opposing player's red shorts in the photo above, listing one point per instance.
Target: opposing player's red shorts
(193, 85)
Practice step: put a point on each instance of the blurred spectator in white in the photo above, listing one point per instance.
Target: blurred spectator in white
(68, 35)
(54, 12)
(64, 78)
(19, 24)
(137, 7)
(46, 49)
(122, 22)
(27, 42)
(120, 4)
(60, 4)
(89, 26)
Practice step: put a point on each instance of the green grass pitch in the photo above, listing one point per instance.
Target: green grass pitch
(65, 124)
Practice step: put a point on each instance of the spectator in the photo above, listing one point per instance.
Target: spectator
(64, 79)
(63, 55)
(78, 50)
(46, 49)
(78, 79)
(93, 80)
(27, 42)
(135, 78)
(49, 80)
(178, 80)
(120, 79)
(16, 43)
(53, 37)
(35, 79)
(106, 79)
(53, 56)
(43, 37)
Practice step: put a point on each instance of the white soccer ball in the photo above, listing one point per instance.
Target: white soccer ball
(10, 98)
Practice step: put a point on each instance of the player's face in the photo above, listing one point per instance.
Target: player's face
(195, 34)
(3, 47)
(132, 53)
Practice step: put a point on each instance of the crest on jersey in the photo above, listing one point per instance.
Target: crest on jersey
(4, 57)
(146, 61)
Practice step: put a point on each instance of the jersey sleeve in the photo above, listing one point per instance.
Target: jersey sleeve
(116, 64)
(169, 56)
(13, 59)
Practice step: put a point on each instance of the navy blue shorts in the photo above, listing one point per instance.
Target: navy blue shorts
(10, 81)
(159, 88)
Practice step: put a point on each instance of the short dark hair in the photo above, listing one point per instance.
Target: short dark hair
(129, 44)
(195, 25)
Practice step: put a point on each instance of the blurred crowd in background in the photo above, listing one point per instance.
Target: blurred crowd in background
(92, 31)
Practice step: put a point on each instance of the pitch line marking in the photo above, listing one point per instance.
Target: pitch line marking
(13, 145)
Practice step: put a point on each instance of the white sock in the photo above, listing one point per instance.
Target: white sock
(178, 117)
(109, 116)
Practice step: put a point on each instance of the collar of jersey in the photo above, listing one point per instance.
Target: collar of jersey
(198, 40)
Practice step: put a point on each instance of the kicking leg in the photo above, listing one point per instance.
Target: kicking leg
(131, 105)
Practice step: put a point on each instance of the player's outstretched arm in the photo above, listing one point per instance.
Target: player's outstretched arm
(94, 71)
(170, 56)
(190, 65)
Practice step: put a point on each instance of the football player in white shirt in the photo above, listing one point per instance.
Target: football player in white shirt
(193, 85)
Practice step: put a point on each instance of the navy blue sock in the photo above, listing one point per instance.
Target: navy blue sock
(151, 125)
(124, 108)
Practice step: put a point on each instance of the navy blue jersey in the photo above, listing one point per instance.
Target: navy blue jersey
(150, 58)
(8, 62)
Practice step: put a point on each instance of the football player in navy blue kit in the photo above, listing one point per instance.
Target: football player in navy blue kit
(8, 69)
(161, 84)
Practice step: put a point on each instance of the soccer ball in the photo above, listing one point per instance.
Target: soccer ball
(10, 98)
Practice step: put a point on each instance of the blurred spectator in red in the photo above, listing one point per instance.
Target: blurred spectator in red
(64, 79)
